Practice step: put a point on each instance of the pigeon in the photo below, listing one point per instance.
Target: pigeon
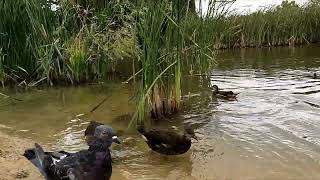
(93, 163)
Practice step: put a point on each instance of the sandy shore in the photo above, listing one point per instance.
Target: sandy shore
(12, 164)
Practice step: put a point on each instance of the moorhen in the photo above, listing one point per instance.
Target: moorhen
(167, 141)
(223, 94)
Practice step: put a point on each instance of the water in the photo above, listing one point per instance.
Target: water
(270, 132)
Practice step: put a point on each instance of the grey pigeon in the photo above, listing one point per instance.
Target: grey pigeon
(91, 164)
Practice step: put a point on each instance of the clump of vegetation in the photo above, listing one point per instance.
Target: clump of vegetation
(79, 41)
(63, 42)
(2, 72)
(166, 42)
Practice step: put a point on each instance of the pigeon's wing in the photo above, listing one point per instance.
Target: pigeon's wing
(40, 159)
(85, 164)
(30, 154)
(67, 164)
(59, 154)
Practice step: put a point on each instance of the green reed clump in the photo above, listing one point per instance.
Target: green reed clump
(63, 42)
(2, 72)
(24, 25)
(151, 30)
(167, 35)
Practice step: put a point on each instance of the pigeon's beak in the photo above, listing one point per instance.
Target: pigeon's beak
(115, 140)
(104, 135)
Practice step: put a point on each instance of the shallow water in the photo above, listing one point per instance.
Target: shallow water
(272, 131)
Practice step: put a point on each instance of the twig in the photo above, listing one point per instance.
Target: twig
(98, 105)
(127, 81)
(10, 97)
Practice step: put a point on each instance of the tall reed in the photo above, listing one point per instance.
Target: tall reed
(2, 72)
(63, 42)
(166, 36)
(24, 25)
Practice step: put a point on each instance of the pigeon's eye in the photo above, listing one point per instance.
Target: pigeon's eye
(105, 133)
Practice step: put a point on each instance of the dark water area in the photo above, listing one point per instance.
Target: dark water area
(272, 130)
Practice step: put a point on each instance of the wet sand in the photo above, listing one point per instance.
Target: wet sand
(12, 164)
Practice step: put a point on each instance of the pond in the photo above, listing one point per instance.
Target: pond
(270, 132)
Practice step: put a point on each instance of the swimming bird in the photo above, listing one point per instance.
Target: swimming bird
(166, 141)
(315, 76)
(91, 128)
(91, 164)
(223, 94)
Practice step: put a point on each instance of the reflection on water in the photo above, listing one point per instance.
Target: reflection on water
(270, 132)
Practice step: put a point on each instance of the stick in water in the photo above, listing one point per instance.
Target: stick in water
(98, 105)
(10, 97)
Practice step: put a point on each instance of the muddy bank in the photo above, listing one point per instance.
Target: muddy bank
(12, 164)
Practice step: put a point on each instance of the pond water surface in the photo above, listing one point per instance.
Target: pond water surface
(272, 131)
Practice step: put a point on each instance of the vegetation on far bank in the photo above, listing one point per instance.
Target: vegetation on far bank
(74, 42)
(285, 25)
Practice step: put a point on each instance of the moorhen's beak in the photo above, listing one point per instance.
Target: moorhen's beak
(195, 137)
(115, 140)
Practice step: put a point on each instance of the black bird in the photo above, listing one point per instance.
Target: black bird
(315, 76)
(91, 129)
(223, 94)
(56, 156)
(168, 142)
(91, 164)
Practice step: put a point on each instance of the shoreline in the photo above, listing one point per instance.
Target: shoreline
(12, 163)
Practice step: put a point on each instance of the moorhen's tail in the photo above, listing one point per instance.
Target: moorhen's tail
(141, 129)
(91, 128)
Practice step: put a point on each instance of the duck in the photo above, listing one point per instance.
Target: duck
(167, 141)
(94, 163)
(91, 128)
(230, 95)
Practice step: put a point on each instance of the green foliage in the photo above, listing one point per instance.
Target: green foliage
(24, 25)
(63, 42)
(286, 24)
(167, 34)
(2, 72)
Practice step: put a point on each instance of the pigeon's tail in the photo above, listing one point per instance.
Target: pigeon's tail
(29, 154)
(37, 157)
(141, 129)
